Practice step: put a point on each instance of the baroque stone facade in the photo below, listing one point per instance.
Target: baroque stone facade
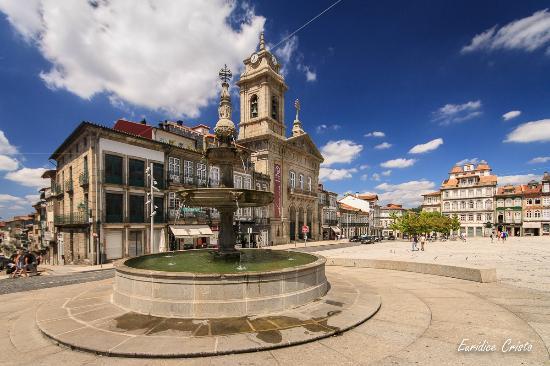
(291, 162)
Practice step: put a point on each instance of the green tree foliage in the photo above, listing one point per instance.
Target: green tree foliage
(413, 223)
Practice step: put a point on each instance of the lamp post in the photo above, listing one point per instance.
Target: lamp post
(151, 202)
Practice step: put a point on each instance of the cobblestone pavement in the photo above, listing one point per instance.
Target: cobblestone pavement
(422, 321)
(11, 285)
(521, 261)
(329, 246)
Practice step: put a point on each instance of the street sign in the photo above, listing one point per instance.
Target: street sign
(305, 229)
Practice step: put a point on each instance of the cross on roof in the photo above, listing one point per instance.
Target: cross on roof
(225, 74)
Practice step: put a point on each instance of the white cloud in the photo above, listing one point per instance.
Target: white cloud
(539, 160)
(12, 205)
(408, 193)
(375, 134)
(364, 177)
(527, 34)
(287, 50)
(428, 146)
(376, 177)
(398, 163)
(324, 127)
(8, 198)
(28, 177)
(311, 75)
(5, 146)
(162, 55)
(530, 132)
(326, 174)
(340, 151)
(7, 163)
(386, 173)
(363, 166)
(509, 115)
(517, 179)
(456, 113)
(383, 146)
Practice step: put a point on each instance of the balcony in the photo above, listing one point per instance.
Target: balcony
(69, 185)
(57, 190)
(84, 179)
(262, 221)
(78, 218)
(299, 191)
(330, 222)
(188, 181)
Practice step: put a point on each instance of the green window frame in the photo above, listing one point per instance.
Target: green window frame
(136, 208)
(136, 173)
(114, 207)
(113, 169)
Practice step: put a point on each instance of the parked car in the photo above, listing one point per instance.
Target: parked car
(391, 237)
(367, 239)
(354, 239)
(3, 262)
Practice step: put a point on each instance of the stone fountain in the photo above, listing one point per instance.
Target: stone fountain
(196, 283)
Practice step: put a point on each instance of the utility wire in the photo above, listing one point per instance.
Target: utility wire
(305, 25)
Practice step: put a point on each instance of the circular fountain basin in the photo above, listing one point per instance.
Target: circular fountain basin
(198, 287)
(225, 197)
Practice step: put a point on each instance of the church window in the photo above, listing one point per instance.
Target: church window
(309, 184)
(302, 182)
(292, 179)
(254, 106)
(275, 108)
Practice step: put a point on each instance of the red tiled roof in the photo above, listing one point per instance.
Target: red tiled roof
(348, 207)
(483, 166)
(505, 190)
(488, 179)
(394, 206)
(436, 193)
(456, 169)
(367, 197)
(134, 128)
(526, 189)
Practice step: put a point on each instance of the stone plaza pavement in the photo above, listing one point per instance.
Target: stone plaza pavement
(519, 261)
(422, 321)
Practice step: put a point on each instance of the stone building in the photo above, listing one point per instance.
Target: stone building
(375, 226)
(546, 204)
(387, 213)
(532, 208)
(353, 221)
(468, 194)
(431, 202)
(508, 209)
(328, 214)
(291, 162)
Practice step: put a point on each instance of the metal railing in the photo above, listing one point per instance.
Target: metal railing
(84, 179)
(74, 218)
(69, 185)
(297, 190)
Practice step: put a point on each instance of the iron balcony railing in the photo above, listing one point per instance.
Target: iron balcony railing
(305, 192)
(69, 185)
(84, 179)
(180, 179)
(331, 222)
(73, 218)
(57, 189)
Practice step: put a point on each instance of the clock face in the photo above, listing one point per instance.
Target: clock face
(254, 58)
(274, 60)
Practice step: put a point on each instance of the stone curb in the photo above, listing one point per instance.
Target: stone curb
(365, 306)
(483, 275)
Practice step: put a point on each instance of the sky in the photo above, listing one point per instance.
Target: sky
(393, 93)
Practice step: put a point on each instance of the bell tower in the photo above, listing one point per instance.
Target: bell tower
(262, 96)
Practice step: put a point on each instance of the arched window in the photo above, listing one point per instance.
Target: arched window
(537, 213)
(275, 108)
(462, 205)
(455, 206)
(254, 106)
(488, 205)
(471, 204)
(301, 182)
(292, 179)
(479, 204)
(309, 184)
(517, 202)
(500, 203)
(508, 202)
(447, 206)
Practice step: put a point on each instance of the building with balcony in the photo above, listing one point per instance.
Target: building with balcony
(532, 208)
(353, 221)
(292, 162)
(431, 202)
(328, 214)
(546, 204)
(387, 214)
(508, 210)
(468, 194)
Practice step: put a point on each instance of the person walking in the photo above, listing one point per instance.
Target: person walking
(491, 237)
(414, 243)
(422, 242)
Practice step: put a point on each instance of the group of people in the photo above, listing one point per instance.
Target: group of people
(22, 263)
(500, 235)
(415, 241)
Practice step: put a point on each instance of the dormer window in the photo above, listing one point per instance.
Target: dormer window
(254, 106)
(275, 108)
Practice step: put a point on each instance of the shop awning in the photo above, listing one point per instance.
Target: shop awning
(336, 229)
(190, 231)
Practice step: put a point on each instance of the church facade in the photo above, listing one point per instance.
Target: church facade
(292, 162)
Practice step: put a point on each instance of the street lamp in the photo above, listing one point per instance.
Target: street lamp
(151, 201)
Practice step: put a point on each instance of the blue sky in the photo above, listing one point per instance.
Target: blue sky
(420, 72)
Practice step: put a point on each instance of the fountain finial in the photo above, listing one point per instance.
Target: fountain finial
(225, 128)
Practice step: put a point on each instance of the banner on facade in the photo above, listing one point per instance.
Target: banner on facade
(277, 191)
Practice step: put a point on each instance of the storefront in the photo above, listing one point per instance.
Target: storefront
(190, 237)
